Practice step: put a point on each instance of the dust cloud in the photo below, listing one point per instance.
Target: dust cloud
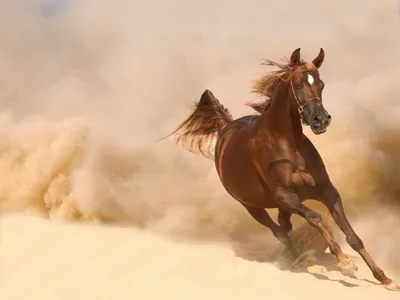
(86, 90)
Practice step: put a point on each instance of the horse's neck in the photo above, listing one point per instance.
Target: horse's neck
(282, 116)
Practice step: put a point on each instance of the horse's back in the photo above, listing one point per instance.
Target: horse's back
(236, 132)
(236, 165)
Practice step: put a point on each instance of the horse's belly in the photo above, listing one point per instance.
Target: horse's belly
(246, 188)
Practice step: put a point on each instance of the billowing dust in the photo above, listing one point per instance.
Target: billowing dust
(87, 90)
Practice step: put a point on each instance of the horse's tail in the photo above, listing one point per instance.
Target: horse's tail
(260, 107)
(198, 132)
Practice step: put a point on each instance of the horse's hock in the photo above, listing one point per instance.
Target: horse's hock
(306, 237)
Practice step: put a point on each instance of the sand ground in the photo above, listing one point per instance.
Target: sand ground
(68, 261)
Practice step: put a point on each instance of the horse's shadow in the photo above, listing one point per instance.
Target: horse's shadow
(325, 262)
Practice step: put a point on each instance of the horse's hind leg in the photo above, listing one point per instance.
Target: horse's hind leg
(331, 198)
(284, 220)
(262, 217)
(290, 202)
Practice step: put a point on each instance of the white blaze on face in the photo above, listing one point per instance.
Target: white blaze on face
(310, 79)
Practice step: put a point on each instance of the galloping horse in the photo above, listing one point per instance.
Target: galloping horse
(265, 161)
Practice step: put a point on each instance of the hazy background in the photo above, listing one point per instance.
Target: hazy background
(87, 88)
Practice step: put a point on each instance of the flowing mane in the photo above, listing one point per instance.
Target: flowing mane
(265, 86)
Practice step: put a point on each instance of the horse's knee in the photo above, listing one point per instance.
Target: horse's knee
(355, 242)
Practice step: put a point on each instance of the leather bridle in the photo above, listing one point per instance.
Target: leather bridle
(302, 106)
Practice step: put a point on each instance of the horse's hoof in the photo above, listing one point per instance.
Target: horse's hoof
(304, 259)
(392, 286)
(349, 268)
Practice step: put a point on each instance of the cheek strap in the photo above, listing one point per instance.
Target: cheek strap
(302, 106)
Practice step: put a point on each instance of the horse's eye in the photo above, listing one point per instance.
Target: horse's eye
(297, 86)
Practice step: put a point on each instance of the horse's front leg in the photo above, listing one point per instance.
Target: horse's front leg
(288, 201)
(331, 198)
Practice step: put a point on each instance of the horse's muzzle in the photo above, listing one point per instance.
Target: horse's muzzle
(320, 122)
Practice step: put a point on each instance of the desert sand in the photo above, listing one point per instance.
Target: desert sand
(69, 261)
(92, 207)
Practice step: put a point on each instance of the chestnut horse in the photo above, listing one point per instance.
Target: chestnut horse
(265, 161)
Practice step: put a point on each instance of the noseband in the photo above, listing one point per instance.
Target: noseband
(302, 106)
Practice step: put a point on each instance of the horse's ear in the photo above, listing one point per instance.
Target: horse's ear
(317, 62)
(295, 58)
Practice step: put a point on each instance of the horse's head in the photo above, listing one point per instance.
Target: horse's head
(307, 87)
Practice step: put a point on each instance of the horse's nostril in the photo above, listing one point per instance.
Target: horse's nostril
(328, 119)
(317, 120)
